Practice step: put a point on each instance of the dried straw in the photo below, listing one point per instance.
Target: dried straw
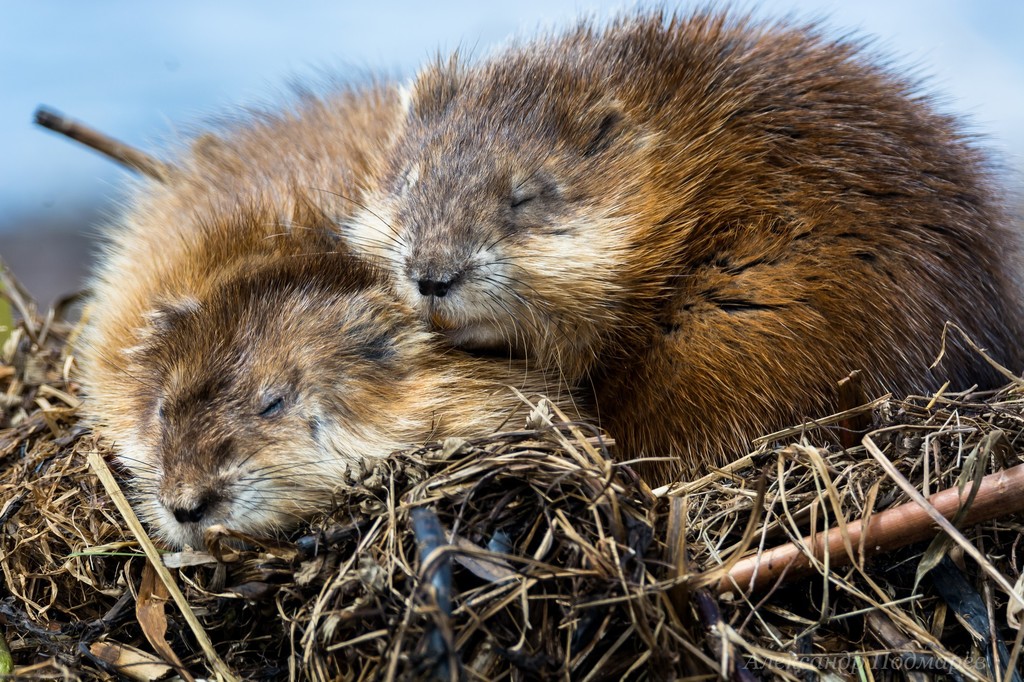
(530, 554)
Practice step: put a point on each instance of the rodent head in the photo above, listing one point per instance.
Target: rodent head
(257, 401)
(500, 212)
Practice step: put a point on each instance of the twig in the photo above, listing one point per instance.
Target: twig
(107, 479)
(1002, 496)
(116, 150)
(998, 494)
(851, 396)
(837, 418)
(1010, 376)
(731, 666)
(895, 640)
(435, 564)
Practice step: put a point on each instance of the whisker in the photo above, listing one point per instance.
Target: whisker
(394, 237)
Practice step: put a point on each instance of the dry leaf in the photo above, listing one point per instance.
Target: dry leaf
(130, 662)
(149, 611)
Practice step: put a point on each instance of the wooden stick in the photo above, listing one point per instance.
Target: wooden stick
(851, 396)
(1000, 505)
(999, 494)
(99, 467)
(116, 150)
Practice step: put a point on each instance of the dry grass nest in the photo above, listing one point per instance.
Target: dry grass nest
(525, 555)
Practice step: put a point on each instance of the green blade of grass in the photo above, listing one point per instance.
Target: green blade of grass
(6, 318)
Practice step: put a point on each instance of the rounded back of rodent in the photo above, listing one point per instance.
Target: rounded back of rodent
(764, 211)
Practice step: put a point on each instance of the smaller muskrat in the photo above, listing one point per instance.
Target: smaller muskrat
(254, 404)
(702, 222)
(242, 365)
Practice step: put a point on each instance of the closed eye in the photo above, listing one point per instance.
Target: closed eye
(520, 199)
(538, 186)
(272, 408)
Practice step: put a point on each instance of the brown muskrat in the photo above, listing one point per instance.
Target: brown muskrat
(702, 223)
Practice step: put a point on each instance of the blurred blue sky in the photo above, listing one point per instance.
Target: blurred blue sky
(138, 70)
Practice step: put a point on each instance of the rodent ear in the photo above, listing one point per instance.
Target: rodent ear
(167, 314)
(159, 321)
(600, 126)
(434, 88)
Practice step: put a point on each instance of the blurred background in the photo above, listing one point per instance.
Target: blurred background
(139, 71)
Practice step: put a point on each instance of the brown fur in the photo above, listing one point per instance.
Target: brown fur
(244, 367)
(702, 222)
(172, 235)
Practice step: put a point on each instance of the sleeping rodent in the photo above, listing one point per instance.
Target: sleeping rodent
(244, 367)
(702, 223)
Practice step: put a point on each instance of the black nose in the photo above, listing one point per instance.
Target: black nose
(194, 513)
(434, 287)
